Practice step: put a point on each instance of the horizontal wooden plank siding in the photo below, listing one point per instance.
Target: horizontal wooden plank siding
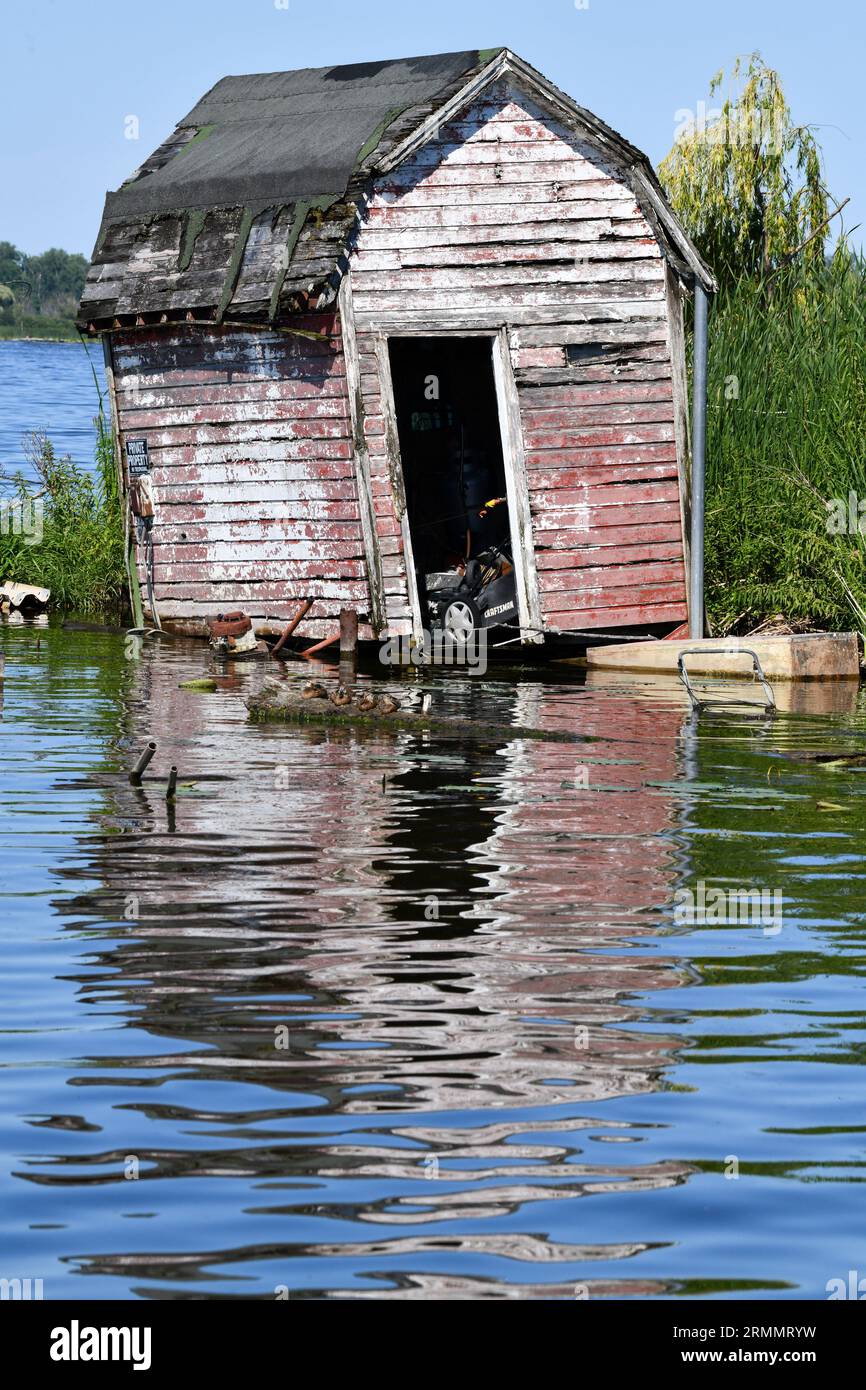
(252, 466)
(506, 218)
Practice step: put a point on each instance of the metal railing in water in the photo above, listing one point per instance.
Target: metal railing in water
(701, 703)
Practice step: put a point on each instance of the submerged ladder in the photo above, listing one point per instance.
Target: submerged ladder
(700, 702)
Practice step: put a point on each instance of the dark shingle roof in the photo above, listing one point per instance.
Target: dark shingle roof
(279, 136)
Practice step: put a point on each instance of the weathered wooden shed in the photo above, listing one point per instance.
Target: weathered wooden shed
(344, 307)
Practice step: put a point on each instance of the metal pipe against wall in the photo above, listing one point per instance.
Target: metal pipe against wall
(328, 642)
(699, 448)
(306, 605)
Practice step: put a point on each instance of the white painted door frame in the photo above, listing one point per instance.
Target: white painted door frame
(517, 491)
(398, 482)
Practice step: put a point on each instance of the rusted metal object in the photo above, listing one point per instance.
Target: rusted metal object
(320, 646)
(144, 760)
(290, 626)
(229, 624)
(171, 786)
(233, 634)
(348, 632)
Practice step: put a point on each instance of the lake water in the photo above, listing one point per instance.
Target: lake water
(372, 1015)
(51, 387)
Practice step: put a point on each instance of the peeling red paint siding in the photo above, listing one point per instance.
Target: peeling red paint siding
(505, 218)
(252, 466)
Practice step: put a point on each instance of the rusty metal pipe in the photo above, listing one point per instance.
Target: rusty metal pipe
(290, 626)
(348, 632)
(328, 642)
(135, 775)
(171, 789)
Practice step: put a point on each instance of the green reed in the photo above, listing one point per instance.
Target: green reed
(786, 434)
(71, 539)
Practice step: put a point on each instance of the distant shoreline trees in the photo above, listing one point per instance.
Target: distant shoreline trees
(39, 295)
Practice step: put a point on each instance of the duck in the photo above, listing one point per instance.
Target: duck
(314, 690)
(388, 705)
(340, 696)
(366, 702)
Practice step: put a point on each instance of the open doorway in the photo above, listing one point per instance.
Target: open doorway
(454, 475)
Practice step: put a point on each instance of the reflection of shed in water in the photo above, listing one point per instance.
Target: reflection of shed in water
(277, 883)
(345, 308)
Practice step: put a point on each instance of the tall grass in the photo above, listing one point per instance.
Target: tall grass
(79, 554)
(786, 433)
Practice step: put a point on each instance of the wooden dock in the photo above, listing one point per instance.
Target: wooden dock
(800, 656)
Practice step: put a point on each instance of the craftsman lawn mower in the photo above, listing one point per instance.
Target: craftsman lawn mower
(480, 594)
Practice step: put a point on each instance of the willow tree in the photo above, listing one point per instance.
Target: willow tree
(747, 183)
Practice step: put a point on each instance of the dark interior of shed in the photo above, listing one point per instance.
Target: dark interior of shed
(450, 448)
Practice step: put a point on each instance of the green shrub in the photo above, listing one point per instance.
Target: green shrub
(79, 556)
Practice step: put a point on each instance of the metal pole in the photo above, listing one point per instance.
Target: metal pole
(137, 772)
(305, 607)
(699, 445)
(348, 632)
(328, 642)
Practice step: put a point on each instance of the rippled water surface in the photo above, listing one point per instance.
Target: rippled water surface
(375, 1015)
(53, 387)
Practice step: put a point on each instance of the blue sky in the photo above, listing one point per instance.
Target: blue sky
(73, 73)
